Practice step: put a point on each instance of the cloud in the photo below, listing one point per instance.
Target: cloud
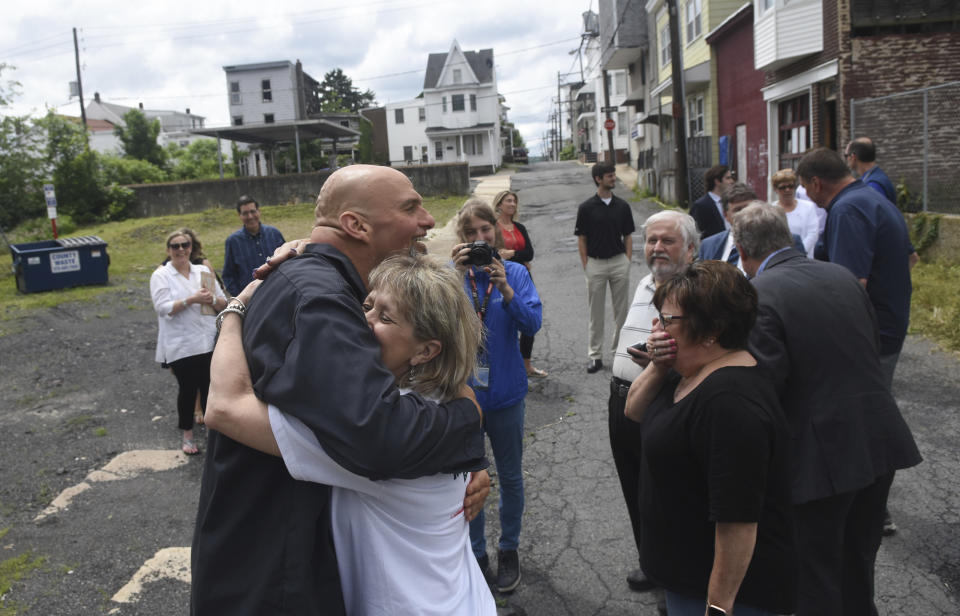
(143, 52)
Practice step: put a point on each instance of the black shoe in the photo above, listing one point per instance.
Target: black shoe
(889, 527)
(508, 570)
(638, 581)
(594, 366)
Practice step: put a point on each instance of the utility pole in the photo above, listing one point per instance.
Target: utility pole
(682, 189)
(559, 115)
(83, 112)
(606, 107)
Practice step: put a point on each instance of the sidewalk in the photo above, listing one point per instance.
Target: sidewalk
(440, 241)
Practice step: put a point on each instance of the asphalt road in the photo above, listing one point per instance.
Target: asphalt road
(78, 387)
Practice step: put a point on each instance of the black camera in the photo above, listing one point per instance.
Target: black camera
(481, 253)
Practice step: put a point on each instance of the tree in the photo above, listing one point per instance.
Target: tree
(22, 164)
(139, 138)
(197, 161)
(120, 170)
(337, 93)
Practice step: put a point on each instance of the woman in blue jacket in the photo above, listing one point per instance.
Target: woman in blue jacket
(507, 302)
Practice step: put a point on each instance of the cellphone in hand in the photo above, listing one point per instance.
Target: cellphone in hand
(640, 346)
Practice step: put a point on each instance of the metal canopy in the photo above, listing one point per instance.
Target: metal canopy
(280, 131)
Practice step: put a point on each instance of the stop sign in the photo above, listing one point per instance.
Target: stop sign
(609, 124)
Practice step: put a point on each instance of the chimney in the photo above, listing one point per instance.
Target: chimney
(96, 96)
(188, 111)
(140, 105)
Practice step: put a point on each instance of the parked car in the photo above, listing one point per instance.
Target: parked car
(520, 155)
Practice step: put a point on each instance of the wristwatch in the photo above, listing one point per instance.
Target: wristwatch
(713, 610)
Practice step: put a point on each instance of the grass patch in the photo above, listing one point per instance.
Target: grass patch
(101, 431)
(935, 305)
(13, 570)
(136, 249)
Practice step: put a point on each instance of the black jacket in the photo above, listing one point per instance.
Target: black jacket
(709, 221)
(816, 334)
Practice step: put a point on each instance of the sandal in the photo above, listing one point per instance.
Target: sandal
(537, 372)
(189, 448)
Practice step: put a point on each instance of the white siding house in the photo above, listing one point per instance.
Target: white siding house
(174, 125)
(406, 123)
(263, 93)
(461, 115)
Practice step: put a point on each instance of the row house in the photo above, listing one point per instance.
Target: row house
(764, 81)
(458, 117)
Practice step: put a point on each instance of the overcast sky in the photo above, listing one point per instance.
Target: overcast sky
(171, 55)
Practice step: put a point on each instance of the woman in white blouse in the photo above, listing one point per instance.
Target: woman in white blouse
(402, 544)
(185, 334)
(801, 214)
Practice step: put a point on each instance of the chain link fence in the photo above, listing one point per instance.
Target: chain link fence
(917, 136)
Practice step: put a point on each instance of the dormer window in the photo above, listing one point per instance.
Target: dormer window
(457, 76)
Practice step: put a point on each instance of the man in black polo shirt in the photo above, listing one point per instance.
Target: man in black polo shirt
(604, 225)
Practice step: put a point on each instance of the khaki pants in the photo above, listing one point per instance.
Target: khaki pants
(614, 271)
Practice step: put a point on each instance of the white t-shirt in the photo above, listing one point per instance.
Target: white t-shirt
(189, 332)
(803, 221)
(403, 545)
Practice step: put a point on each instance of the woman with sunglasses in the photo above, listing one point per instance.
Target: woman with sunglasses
(714, 487)
(802, 215)
(185, 335)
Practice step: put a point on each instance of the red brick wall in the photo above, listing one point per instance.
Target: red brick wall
(740, 101)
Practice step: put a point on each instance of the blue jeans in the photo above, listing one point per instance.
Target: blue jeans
(685, 605)
(505, 429)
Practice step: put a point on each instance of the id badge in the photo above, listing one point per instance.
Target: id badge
(482, 377)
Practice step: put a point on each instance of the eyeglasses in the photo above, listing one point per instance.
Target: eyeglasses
(180, 246)
(786, 187)
(668, 319)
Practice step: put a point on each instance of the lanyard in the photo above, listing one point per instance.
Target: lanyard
(481, 310)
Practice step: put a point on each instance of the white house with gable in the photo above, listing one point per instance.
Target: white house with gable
(457, 118)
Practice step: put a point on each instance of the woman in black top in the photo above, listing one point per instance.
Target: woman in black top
(518, 248)
(714, 501)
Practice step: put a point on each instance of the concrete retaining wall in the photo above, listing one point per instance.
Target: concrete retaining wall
(197, 196)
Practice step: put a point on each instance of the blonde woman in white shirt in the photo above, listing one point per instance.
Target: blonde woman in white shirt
(402, 544)
(801, 214)
(184, 334)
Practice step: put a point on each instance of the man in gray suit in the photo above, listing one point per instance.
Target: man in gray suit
(816, 333)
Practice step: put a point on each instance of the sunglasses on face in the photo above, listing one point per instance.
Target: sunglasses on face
(786, 187)
(180, 246)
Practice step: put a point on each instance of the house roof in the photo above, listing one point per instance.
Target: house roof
(733, 19)
(481, 62)
(98, 125)
(441, 130)
(258, 66)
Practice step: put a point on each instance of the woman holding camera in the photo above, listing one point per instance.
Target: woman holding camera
(518, 248)
(507, 303)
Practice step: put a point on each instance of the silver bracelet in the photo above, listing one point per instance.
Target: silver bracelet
(236, 309)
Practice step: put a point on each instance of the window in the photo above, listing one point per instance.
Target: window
(620, 83)
(694, 9)
(457, 102)
(665, 46)
(473, 102)
(422, 113)
(235, 93)
(345, 123)
(621, 123)
(766, 4)
(184, 143)
(238, 120)
(444, 104)
(438, 150)
(457, 76)
(423, 154)
(266, 91)
(794, 118)
(268, 118)
(695, 116)
(398, 116)
(473, 144)
(408, 153)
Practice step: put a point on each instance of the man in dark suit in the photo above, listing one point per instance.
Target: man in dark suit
(707, 210)
(816, 333)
